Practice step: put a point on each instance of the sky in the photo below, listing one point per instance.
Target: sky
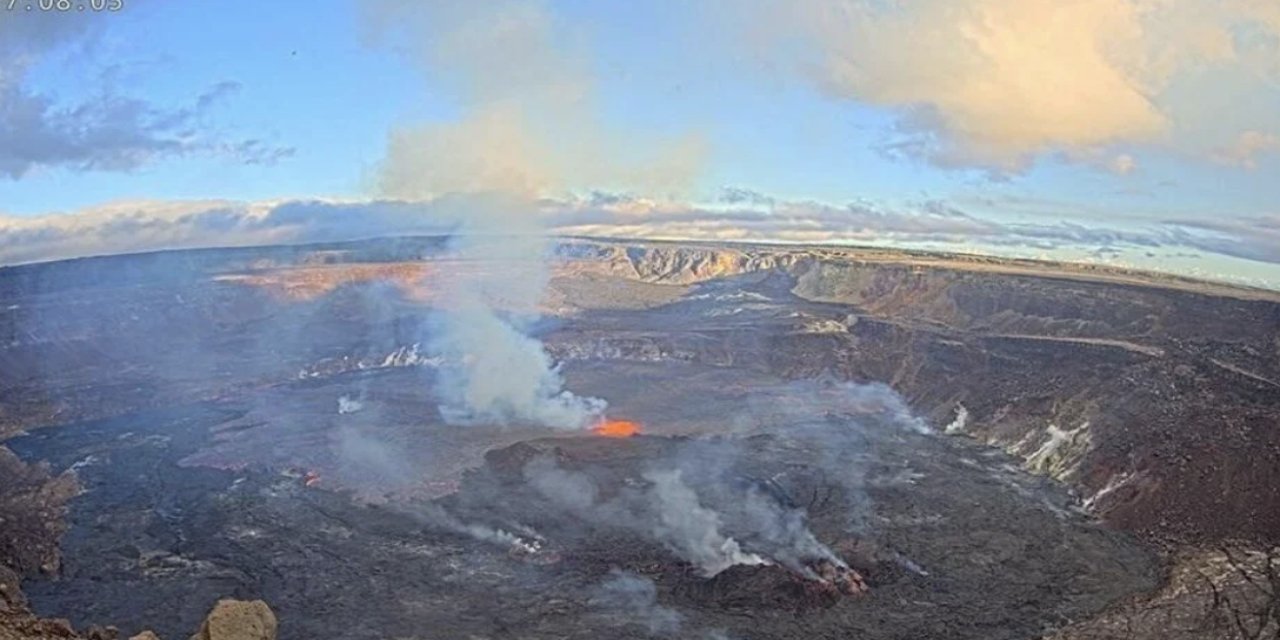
(1142, 133)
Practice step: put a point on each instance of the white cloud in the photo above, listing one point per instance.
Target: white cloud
(1246, 149)
(997, 84)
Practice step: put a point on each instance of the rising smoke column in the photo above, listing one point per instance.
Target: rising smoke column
(493, 370)
(527, 131)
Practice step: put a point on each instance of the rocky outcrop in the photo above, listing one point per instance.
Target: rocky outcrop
(1231, 592)
(32, 520)
(32, 505)
(16, 620)
(229, 620)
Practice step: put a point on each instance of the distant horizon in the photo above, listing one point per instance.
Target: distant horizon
(1087, 271)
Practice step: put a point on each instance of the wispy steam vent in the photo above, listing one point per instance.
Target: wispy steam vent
(635, 598)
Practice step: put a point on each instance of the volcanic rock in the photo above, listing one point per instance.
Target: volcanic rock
(843, 580)
(96, 632)
(769, 587)
(11, 598)
(28, 627)
(32, 504)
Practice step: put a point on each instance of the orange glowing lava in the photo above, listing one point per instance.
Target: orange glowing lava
(616, 429)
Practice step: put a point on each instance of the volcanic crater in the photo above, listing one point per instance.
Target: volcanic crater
(804, 442)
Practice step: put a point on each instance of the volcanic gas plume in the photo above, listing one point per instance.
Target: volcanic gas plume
(526, 132)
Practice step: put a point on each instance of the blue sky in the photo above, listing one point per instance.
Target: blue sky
(303, 98)
(308, 84)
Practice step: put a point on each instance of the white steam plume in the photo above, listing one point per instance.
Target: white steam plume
(493, 370)
(496, 374)
(668, 511)
(527, 131)
(347, 404)
(435, 516)
(692, 529)
(785, 532)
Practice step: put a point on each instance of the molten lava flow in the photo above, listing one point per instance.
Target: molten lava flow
(616, 428)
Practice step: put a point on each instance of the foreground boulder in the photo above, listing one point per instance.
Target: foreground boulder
(238, 620)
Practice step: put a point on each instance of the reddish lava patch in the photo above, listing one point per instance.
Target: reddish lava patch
(616, 429)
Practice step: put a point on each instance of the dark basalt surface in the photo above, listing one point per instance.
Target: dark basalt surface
(1113, 420)
(949, 538)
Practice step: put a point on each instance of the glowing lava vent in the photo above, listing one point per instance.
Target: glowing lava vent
(616, 428)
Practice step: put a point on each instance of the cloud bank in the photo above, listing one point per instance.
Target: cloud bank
(106, 132)
(741, 215)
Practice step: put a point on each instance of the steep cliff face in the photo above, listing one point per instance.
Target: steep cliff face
(689, 265)
(676, 264)
(1154, 399)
